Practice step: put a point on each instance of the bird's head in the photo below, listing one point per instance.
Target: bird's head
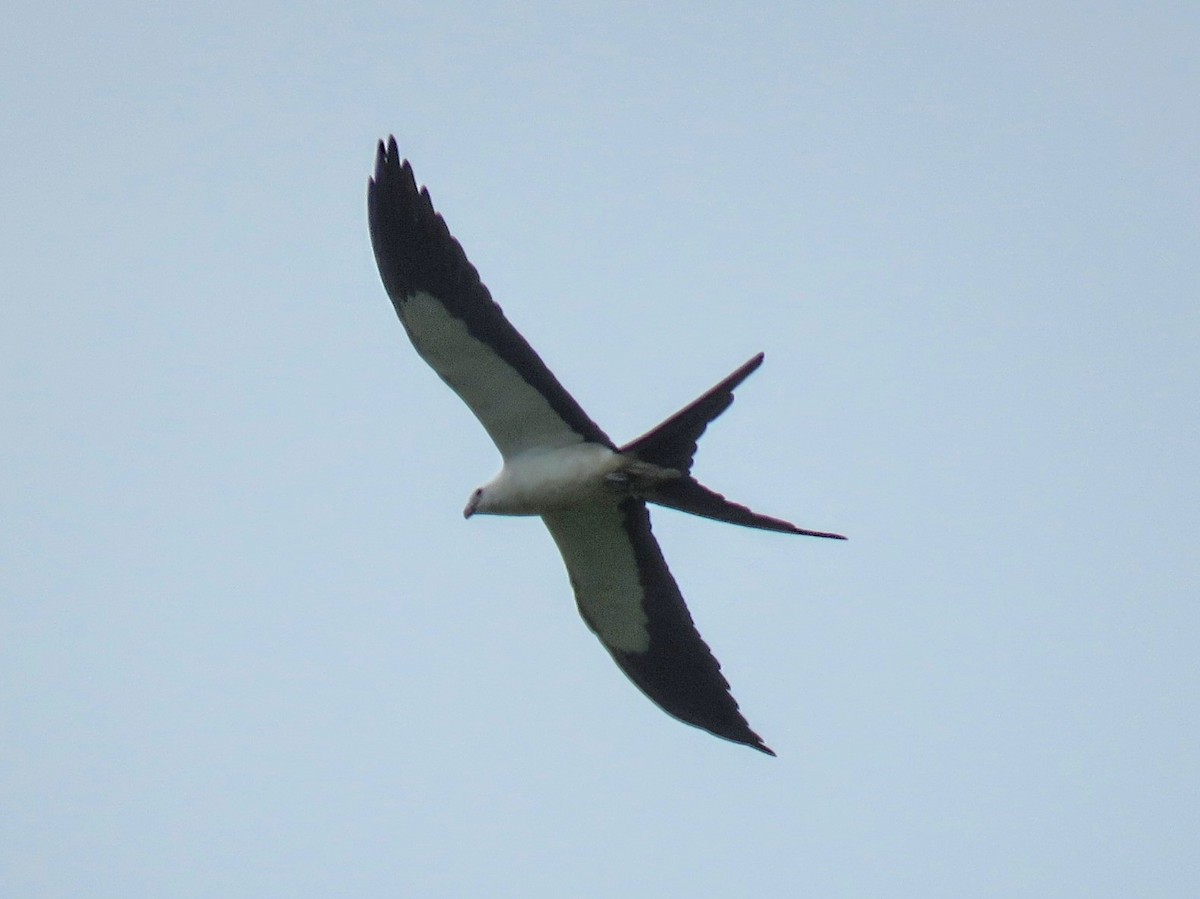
(490, 499)
(473, 503)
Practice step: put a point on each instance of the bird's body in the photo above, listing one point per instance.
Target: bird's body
(558, 464)
(551, 479)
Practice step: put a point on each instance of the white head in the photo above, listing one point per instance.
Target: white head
(477, 503)
(497, 497)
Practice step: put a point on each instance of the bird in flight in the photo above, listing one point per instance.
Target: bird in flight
(558, 464)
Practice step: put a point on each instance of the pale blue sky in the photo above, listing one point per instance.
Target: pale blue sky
(248, 645)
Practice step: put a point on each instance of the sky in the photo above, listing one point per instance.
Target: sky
(248, 644)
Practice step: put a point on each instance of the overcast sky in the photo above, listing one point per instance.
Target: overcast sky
(248, 644)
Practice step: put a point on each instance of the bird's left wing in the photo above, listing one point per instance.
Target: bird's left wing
(457, 327)
(627, 596)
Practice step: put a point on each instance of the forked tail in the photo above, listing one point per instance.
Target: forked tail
(672, 445)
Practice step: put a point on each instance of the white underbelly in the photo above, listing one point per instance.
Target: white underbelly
(540, 481)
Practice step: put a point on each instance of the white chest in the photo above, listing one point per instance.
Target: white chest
(549, 480)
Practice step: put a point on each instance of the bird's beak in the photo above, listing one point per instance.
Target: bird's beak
(470, 509)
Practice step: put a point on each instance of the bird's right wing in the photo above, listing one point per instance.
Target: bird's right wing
(457, 327)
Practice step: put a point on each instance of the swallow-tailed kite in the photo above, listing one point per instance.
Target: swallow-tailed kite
(558, 464)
